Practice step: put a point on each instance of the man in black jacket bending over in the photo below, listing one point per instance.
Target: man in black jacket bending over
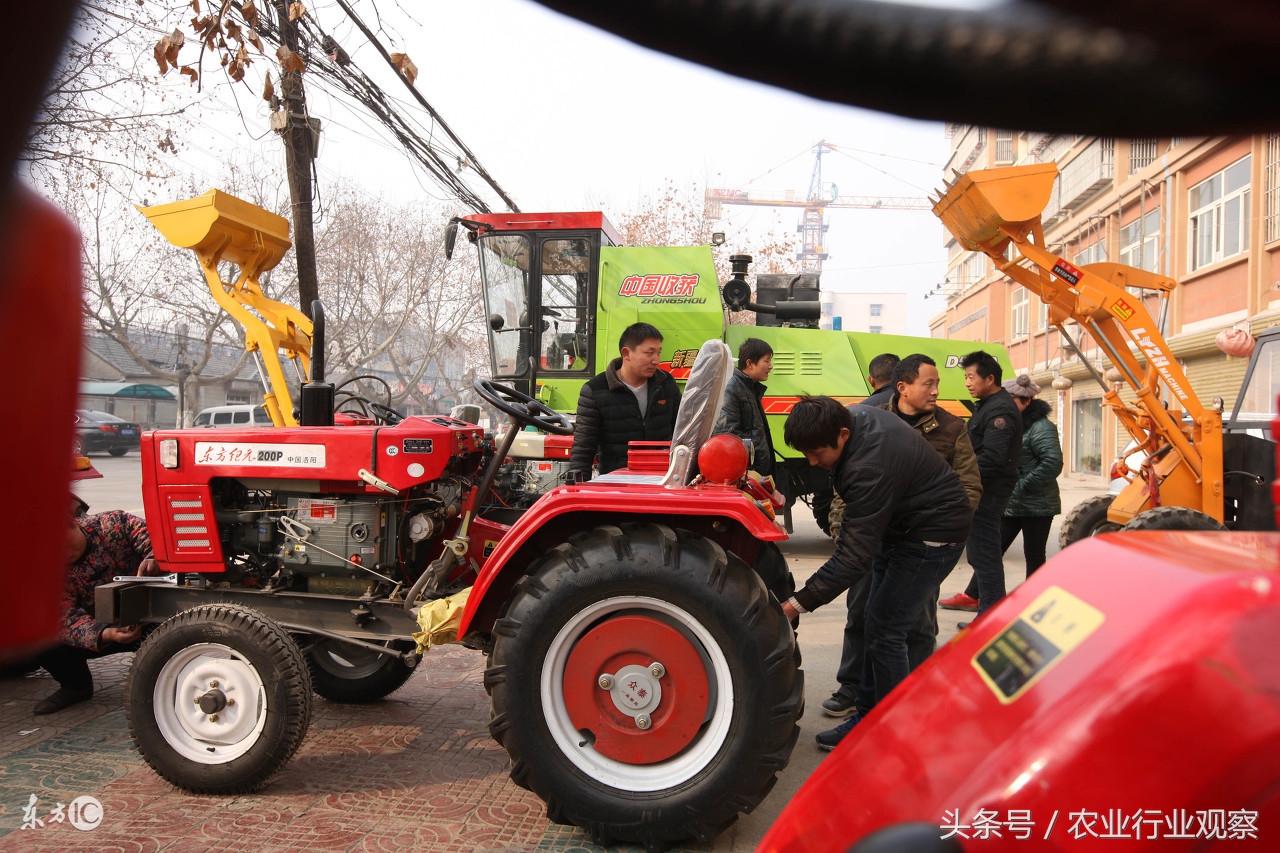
(631, 401)
(899, 493)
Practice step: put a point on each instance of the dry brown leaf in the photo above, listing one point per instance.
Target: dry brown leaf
(188, 71)
(234, 31)
(290, 61)
(161, 51)
(406, 66)
(296, 11)
(268, 89)
(250, 13)
(251, 36)
(236, 70)
(195, 6)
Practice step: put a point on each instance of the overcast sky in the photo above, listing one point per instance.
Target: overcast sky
(567, 117)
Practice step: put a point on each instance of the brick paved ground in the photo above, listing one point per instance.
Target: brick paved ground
(417, 771)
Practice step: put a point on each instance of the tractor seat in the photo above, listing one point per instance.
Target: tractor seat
(700, 406)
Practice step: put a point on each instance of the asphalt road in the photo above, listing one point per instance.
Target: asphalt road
(819, 635)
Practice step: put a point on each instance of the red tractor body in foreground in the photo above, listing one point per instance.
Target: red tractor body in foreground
(1128, 690)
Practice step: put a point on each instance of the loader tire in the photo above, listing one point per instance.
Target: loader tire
(696, 713)
(1087, 518)
(218, 699)
(1173, 518)
(349, 674)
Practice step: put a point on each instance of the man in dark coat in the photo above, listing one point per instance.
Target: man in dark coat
(631, 401)
(743, 413)
(996, 433)
(99, 548)
(880, 378)
(899, 495)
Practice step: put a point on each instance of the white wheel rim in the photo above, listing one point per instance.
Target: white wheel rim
(198, 736)
(634, 777)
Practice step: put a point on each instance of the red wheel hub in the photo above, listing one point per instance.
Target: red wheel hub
(674, 712)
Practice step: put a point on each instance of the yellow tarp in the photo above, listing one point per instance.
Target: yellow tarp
(439, 620)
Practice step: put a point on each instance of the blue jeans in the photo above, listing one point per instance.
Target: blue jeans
(921, 639)
(985, 552)
(903, 582)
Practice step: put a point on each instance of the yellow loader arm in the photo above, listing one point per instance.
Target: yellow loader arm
(989, 210)
(220, 227)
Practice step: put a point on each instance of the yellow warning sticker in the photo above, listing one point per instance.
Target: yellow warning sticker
(1054, 624)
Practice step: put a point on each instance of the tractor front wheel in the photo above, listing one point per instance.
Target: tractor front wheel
(1087, 518)
(644, 684)
(218, 699)
(341, 672)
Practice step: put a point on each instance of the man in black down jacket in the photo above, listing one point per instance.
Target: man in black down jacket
(995, 430)
(743, 414)
(631, 401)
(899, 493)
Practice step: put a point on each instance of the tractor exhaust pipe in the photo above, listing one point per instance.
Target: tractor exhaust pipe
(737, 295)
(316, 398)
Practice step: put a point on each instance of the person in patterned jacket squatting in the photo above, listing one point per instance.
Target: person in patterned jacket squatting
(99, 547)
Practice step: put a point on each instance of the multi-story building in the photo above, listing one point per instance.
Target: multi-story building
(1205, 212)
(878, 313)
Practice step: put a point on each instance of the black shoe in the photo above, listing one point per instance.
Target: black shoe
(838, 706)
(962, 625)
(62, 698)
(831, 738)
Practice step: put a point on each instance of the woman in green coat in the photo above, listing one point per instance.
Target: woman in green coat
(1035, 500)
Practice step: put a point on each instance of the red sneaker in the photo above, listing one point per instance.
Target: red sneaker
(959, 601)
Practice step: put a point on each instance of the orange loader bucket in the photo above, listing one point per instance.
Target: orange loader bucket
(978, 203)
(217, 226)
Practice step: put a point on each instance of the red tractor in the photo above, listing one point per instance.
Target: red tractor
(644, 679)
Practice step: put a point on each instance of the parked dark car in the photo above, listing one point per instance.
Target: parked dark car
(103, 431)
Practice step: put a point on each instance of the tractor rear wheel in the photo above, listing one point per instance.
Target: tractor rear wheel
(341, 672)
(1173, 518)
(644, 684)
(218, 699)
(1087, 518)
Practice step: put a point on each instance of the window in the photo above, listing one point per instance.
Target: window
(875, 310)
(222, 418)
(1097, 253)
(876, 330)
(1220, 215)
(504, 271)
(1042, 321)
(1273, 187)
(1142, 152)
(240, 417)
(1018, 315)
(1086, 418)
(233, 399)
(1140, 241)
(564, 305)
(1004, 146)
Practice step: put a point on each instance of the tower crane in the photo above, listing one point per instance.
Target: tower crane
(812, 226)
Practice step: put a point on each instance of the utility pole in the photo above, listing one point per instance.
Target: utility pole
(299, 151)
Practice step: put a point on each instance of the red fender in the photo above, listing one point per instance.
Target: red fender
(624, 502)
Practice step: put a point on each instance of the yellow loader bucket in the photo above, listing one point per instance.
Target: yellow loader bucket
(979, 202)
(217, 226)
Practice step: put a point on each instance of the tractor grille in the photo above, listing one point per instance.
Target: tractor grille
(190, 523)
(810, 364)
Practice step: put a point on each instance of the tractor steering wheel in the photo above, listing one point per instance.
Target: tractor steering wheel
(385, 414)
(523, 408)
